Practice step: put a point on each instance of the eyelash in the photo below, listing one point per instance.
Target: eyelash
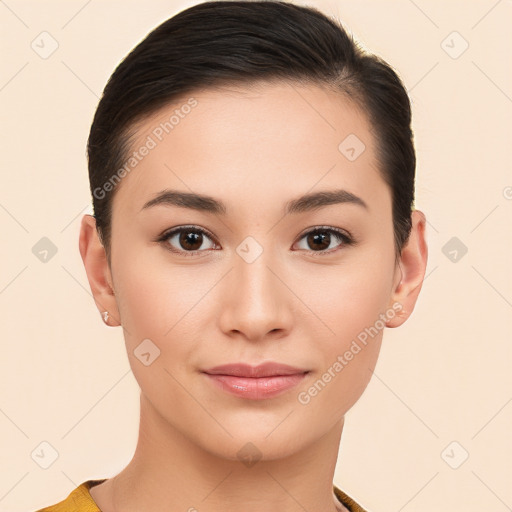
(344, 237)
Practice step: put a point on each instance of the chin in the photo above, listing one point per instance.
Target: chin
(252, 443)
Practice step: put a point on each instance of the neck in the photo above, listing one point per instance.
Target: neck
(169, 471)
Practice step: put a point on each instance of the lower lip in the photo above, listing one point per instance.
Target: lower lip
(256, 388)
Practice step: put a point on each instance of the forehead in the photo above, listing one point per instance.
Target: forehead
(252, 145)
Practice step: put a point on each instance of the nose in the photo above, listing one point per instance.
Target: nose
(256, 302)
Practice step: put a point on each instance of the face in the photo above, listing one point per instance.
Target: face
(250, 280)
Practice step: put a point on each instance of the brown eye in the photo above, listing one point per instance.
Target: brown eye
(190, 240)
(320, 240)
(187, 239)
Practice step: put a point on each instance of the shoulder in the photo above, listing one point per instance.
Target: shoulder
(347, 501)
(79, 500)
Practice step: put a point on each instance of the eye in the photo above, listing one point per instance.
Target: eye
(188, 239)
(321, 239)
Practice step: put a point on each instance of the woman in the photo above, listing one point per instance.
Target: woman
(252, 173)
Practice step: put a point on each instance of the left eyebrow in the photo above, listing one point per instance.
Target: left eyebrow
(209, 204)
(320, 199)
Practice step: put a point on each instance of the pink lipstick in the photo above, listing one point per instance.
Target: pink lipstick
(256, 382)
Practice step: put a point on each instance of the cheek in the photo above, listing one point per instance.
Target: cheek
(349, 336)
(349, 349)
(157, 311)
(162, 304)
(155, 298)
(333, 391)
(349, 299)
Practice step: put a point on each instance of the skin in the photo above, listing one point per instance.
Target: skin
(254, 149)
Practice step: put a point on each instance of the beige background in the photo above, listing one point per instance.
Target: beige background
(442, 377)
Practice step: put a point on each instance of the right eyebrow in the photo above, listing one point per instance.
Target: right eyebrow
(187, 200)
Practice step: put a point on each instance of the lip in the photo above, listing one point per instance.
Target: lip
(260, 382)
(268, 369)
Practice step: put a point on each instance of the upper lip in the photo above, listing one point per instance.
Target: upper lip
(268, 369)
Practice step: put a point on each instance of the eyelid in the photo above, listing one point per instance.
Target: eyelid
(320, 228)
(171, 231)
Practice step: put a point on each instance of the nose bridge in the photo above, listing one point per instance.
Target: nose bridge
(255, 301)
(255, 282)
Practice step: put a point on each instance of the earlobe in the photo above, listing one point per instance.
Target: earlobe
(97, 270)
(412, 263)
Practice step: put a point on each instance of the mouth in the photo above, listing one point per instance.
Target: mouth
(256, 382)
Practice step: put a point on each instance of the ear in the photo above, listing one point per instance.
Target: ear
(412, 263)
(98, 270)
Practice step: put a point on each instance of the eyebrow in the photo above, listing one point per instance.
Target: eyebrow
(307, 202)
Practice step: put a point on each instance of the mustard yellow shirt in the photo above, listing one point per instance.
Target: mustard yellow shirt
(80, 500)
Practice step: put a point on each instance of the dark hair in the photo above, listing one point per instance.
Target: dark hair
(226, 42)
